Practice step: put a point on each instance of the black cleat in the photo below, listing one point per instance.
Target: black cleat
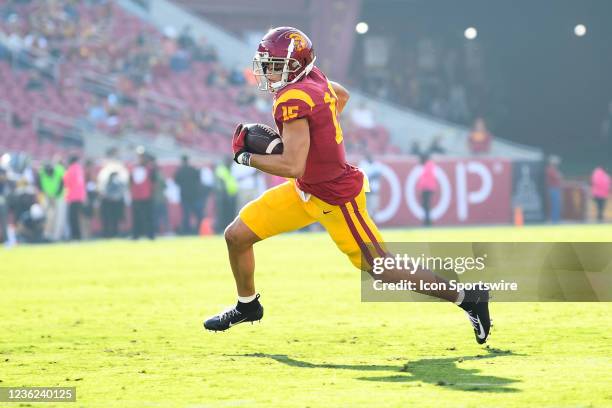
(241, 313)
(476, 306)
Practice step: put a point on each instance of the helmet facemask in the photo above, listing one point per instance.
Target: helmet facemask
(263, 65)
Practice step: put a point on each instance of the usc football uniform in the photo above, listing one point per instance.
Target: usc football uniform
(331, 191)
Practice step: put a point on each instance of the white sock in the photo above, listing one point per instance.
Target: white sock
(460, 297)
(247, 299)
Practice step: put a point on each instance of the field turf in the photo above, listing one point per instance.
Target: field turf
(122, 322)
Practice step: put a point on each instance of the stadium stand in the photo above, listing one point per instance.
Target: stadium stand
(69, 68)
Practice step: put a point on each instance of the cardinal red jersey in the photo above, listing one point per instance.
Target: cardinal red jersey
(327, 175)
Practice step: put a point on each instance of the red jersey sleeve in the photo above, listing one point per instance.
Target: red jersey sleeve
(293, 104)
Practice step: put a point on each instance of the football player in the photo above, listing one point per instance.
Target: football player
(322, 187)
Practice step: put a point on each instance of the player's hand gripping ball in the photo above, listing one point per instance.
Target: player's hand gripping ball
(262, 139)
(255, 138)
(238, 144)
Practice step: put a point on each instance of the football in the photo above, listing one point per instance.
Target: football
(262, 139)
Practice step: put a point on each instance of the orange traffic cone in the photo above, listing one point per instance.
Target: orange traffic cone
(206, 227)
(518, 217)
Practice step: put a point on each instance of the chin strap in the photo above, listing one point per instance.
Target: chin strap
(305, 72)
(276, 86)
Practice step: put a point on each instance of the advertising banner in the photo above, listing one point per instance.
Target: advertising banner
(470, 191)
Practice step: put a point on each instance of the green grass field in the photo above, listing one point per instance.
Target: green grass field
(122, 321)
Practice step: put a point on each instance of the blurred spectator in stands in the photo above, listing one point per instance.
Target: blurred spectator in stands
(180, 60)
(415, 148)
(112, 112)
(142, 179)
(139, 62)
(413, 94)
(15, 43)
(76, 194)
(458, 110)
(236, 77)
(479, 138)
(427, 185)
(600, 190)
(187, 178)
(246, 97)
(554, 180)
(217, 77)
(222, 79)
(91, 202)
(439, 107)
(435, 147)
(35, 82)
(212, 77)
(427, 54)
(204, 120)
(36, 44)
(160, 202)
(185, 38)
(204, 51)
(377, 85)
(186, 128)
(248, 184)
(225, 194)
(430, 67)
(30, 225)
(128, 91)
(169, 44)
(363, 116)
(4, 205)
(51, 184)
(70, 10)
(16, 121)
(5, 52)
(97, 112)
(373, 171)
